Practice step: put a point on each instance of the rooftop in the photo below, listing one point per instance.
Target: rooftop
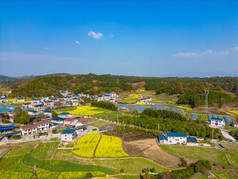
(68, 131)
(176, 134)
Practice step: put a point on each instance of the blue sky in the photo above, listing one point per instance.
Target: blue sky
(142, 38)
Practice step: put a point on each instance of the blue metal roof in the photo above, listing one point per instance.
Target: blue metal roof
(68, 131)
(12, 133)
(64, 113)
(228, 119)
(176, 134)
(2, 128)
(191, 139)
(217, 119)
(48, 111)
(39, 105)
(161, 137)
(194, 116)
(58, 119)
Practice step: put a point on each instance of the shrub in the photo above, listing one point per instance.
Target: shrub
(122, 170)
(16, 136)
(54, 131)
(89, 175)
(153, 170)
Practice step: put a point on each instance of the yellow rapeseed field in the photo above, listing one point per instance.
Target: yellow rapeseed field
(86, 111)
(234, 112)
(110, 146)
(85, 146)
(185, 108)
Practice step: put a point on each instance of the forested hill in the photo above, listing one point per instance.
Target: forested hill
(222, 89)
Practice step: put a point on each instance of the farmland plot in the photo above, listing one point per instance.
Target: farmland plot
(110, 146)
(86, 146)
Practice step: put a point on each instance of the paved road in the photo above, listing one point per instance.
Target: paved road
(227, 135)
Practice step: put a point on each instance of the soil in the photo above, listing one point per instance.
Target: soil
(150, 149)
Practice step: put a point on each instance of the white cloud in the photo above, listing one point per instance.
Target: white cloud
(95, 35)
(186, 54)
(235, 48)
(224, 52)
(46, 48)
(77, 42)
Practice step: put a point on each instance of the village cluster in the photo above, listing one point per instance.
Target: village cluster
(37, 108)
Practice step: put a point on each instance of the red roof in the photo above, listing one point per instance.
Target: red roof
(42, 122)
(69, 119)
(29, 127)
(81, 121)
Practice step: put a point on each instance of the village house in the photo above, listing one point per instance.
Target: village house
(75, 101)
(48, 113)
(26, 105)
(32, 112)
(58, 120)
(70, 121)
(3, 99)
(20, 100)
(45, 98)
(43, 125)
(217, 121)
(145, 100)
(235, 124)
(49, 103)
(68, 135)
(64, 92)
(39, 107)
(172, 138)
(64, 115)
(35, 101)
(27, 130)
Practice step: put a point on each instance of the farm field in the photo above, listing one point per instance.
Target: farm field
(226, 176)
(85, 147)
(130, 165)
(86, 111)
(110, 146)
(196, 153)
(46, 150)
(99, 124)
(234, 112)
(110, 115)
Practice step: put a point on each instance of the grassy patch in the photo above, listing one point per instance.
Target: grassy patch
(15, 164)
(99, 124)
(59, 166)
(13, 174)
(129, 165)
(45, 150)
(21, 149)
(197, 153)
(226, 176)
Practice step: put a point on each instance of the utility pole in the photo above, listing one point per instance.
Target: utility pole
(212, 133)
(158, 127)
(206, 100)
(117, 118)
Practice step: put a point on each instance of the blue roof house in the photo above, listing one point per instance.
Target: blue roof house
(172, 138)
(68, 135)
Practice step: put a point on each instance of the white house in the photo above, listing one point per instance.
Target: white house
(35, 101)
(58, 120)
(49, 103)
(173, 138)
(30, 129)
(48, 113)
(217, 122)
(32, 113)
(235, 124)
(64, 115)
(68, 135)
(3, 99)
(44, 98)
(64, 92)
(27, 105)
(43, 125)
(70, 121)
(20, 100)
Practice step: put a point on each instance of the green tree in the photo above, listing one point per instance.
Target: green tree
(22, 118)
(54, 114)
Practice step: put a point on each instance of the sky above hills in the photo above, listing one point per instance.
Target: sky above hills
(142, 38)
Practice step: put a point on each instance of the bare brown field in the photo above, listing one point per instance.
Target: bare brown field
(150, 149)
(4, 149)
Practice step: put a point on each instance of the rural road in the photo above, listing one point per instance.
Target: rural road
(227, 135)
